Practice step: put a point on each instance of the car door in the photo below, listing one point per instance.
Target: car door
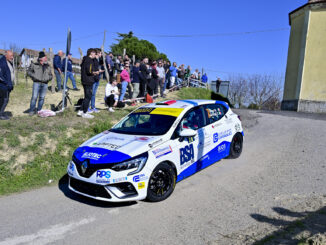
(220, 130)
(188, 148)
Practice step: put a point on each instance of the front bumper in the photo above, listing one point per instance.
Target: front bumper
(111, 187)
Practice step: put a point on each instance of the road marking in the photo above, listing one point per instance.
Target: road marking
(45, 236)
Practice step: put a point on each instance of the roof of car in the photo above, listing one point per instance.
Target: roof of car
(184, 103)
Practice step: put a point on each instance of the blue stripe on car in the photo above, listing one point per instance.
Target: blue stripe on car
(99, 155)
(222, 103)
(190, 102)
(206, 160)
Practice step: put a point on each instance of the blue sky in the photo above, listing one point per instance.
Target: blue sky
(38, 24)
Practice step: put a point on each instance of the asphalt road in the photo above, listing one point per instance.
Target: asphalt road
(282, 167)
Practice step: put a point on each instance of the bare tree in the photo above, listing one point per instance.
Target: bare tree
(238, 89)
(264, 89)
(15, 48)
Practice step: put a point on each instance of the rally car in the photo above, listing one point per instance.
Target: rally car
(152, 148)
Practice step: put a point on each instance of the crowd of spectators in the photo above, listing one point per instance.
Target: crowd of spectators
(129, 80)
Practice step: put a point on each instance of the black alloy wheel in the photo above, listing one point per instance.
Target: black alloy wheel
(236, 146)
(161, 183)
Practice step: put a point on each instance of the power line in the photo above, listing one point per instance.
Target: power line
(213, 34)
(167, 35)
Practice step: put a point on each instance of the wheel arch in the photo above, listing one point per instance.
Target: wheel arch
(172, 166)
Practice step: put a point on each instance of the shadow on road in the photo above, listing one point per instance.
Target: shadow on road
(291, 232)
(63, 186)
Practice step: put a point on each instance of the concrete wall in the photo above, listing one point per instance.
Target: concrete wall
(313, 86)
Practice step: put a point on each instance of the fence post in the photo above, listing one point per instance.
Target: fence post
(25, 65)
(16, 69)
(52, 69)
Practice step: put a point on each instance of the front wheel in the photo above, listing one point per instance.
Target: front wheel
(161, 183)
(236, 146)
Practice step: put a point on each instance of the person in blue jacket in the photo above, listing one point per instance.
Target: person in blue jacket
(69, 72)
(57, 65)
(204, 78)
(7, 75)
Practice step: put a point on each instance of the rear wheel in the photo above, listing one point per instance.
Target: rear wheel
(236, 146)
(161, 183)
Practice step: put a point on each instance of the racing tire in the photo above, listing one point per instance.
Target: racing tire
(161, 183)
(236, 146)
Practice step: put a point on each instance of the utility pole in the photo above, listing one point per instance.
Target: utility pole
(104, 61)
(66, 64)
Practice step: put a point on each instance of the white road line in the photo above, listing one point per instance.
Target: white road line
(45, 236)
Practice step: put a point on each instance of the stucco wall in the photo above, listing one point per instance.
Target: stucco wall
(292, 68)
(314, 71)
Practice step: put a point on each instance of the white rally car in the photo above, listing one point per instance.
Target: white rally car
(152, 148)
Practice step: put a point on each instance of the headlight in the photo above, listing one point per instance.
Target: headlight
(137, 163)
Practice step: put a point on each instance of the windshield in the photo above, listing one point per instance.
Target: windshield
(144, 123)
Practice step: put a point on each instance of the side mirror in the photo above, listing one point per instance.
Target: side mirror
(187, 133)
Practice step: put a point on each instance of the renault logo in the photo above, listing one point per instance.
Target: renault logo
(84, 167)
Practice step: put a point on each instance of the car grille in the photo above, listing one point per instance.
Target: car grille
(92, 168)
(89, 188)
(89, 171)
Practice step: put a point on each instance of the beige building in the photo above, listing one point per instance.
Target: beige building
(305, 80)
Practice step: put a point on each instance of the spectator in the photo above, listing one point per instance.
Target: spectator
(167, 74)
(96, 68)
(111, 94)
(87, 78)
(143, 77)
(135, 80)
(153, 84)
(41, 74)
(188, 72)
(126, 59)
(7, 76)
(125, 78)
(161, 75)
(69, 72)
(57, 66)
(204, 78)
(195, 74)
(173, 74)
(110, 64)
(218, 83)
(199, 76)
(181, 72)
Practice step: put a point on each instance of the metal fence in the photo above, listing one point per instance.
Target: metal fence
(223, 89)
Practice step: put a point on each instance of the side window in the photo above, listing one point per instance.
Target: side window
(194, 119)
(214, 112)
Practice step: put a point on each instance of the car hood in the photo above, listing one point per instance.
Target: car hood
(109, 147)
